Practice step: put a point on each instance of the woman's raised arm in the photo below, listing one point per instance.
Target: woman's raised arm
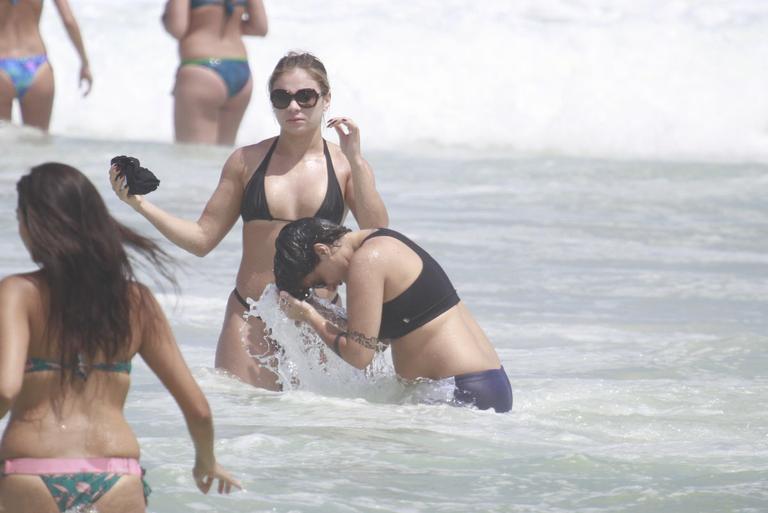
(363, 198)
(220, 214)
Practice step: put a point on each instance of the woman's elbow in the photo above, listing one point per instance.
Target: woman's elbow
(7, 396)
(376, 221)
(360, 361)
(200, 248)
(258, 29)
(199, 251)
(174, 31)
(173, 26)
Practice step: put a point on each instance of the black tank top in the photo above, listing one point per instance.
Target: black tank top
(254, 204)
(430, 295)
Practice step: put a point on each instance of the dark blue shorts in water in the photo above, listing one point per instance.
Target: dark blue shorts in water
(484, 389)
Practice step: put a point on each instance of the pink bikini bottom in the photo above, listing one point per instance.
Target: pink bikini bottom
(75, 482)
(40, 466)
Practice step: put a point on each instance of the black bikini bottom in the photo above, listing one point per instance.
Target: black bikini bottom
(484, 389)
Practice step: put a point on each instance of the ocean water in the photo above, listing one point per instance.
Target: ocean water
(627, 300)
(682, 79)
(593, 177)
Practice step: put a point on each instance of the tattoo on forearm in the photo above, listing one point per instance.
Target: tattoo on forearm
(336, 316)
(374, 343)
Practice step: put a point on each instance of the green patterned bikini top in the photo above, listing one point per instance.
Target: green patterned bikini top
(81, 370)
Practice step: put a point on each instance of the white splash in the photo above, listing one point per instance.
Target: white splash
(621, 78)
(306, 363)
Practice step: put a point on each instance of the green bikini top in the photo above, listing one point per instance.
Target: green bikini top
(229, 5)
(81, 370)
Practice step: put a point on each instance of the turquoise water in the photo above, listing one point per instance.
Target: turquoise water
(627, 300)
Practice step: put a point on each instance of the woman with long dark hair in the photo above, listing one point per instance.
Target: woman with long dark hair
(68, 333)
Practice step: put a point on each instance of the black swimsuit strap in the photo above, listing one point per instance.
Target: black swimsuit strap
(262, 169)
(333, 206)
(241, 299)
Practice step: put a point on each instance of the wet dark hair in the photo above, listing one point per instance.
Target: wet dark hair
(305, 61)
(295, 255)
(80, 249)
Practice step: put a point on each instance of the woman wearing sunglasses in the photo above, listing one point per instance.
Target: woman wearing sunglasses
(213, 82)
(268, 184)
(398, 295)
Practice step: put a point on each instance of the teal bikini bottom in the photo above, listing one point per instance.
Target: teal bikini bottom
(76, 482)
(234, 72)
(83, 489)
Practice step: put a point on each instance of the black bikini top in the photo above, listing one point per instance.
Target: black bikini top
(430, 295)
(254, 204)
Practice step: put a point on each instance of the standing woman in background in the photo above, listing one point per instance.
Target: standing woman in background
(213, 82)
(68, 333)
(268, 184)
(25, 72)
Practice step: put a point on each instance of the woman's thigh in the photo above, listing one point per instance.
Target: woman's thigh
(37, 103)
(7, 94)
(198, 97)
(243, 349)
(232, 114)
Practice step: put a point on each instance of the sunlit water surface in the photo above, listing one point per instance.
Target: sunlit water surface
(627, 301)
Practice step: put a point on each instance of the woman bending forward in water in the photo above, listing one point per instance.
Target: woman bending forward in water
(396, 293)
(268, 184)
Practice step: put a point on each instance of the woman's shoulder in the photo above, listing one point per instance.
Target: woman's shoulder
(340, 163)
(145, 306)
(264, 144)
(251, 155)
(22, 283)
(338, 157)
(389, 246)
(25, 289)
(141, 294)
(375, 249)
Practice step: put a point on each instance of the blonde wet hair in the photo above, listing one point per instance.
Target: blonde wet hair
(305, 61)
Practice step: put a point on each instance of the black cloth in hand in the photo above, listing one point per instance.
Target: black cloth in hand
(140, 180)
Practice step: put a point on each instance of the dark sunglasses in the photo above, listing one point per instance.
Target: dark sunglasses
(306, 98)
